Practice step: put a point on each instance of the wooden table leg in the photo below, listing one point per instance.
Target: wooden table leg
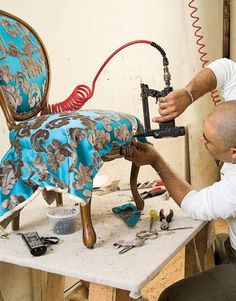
(106, 293)
(38, 283)
(203, 241)
(122, 295)
(55, 287)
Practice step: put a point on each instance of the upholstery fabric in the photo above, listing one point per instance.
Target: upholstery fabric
(62, 152)
(23, 74)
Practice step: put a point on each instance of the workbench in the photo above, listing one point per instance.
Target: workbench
(112, 276)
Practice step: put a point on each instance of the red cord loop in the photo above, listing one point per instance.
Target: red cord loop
(214, 94)
(83, 93)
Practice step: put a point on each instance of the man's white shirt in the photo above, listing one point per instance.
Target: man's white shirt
(218, 201)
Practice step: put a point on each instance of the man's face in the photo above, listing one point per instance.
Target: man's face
(215, 147)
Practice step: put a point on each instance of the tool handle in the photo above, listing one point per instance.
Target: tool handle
(153, 217)
(153, 213)
(162, 214)
(170, 216)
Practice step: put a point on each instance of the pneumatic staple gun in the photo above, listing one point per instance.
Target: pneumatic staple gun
(166, 129)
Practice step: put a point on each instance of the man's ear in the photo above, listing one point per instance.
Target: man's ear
(233, 154)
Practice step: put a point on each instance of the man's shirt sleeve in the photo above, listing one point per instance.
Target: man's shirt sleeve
(217, 201)
(225, 72)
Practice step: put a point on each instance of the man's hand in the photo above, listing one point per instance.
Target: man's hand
(142, 153)
(145, 153)
(177, 101)
(172, 105)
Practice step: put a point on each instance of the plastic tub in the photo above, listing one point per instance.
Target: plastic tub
(63, 220)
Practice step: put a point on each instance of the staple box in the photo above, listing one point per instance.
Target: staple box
(63, 220)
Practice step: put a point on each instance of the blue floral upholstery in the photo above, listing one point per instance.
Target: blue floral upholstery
(23, 66)
(61, 151)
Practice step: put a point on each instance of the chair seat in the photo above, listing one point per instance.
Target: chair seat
(61, 151)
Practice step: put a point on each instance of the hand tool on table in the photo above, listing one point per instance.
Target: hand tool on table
(174, 229)
(165, 220)
(153, 192)
(149, 234)
(140, 236)
(128, 245)
(150, 184)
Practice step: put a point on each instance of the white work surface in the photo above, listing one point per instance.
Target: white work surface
(102, 264)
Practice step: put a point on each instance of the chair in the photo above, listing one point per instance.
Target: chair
(53, 153)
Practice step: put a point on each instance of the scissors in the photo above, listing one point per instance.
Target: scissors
(128, 245)
(149, 234)
(146, 234)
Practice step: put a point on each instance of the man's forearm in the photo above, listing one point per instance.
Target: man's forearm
(176, 186)
(203, 82)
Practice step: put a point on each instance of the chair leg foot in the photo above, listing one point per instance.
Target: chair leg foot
(89, 235)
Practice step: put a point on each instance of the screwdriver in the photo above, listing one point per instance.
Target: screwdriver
(174, 229)
(153, 216)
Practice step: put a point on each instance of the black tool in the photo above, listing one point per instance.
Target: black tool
(166, 129)
(34, 243)
(38, 245)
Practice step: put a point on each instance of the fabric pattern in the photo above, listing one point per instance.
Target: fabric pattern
(23, 74)
(62, 152)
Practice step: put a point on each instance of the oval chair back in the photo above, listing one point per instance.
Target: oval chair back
(24, 69)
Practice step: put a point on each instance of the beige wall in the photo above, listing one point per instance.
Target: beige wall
(79, 36)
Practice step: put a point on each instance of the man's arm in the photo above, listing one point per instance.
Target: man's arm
(213, 202)
(205, 81)
(176, 102)
(177, 187)
(145, 153)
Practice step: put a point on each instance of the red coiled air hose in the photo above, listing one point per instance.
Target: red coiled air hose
(82, 93)
(214, 94)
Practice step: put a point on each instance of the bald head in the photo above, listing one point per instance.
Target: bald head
(223, 122)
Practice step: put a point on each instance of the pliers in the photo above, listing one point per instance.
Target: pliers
(153, 192)
(165, 220)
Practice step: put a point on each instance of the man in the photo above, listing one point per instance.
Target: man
(217, 201)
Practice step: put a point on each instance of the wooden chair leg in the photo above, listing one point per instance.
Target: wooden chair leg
(89, 235)
(14, 218)
(16, 223)
(5, 222)
(59, 200)
(133, 184)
